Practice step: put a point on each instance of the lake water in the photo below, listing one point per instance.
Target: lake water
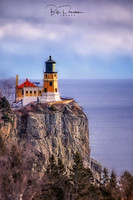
(108, 105)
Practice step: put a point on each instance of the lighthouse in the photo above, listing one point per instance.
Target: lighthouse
(50, 86)
(29, 92)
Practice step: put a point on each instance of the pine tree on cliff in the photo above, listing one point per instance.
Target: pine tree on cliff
(52, 170)
(63, 180)
(113, 187)
(57, 184)
(4, 104)
(3, 149)
(126, 184)
(81, 178)
(105, 176)
(5, 108)
(113, 180)
(103, 191)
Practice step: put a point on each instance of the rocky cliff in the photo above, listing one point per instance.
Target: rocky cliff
(59, 129)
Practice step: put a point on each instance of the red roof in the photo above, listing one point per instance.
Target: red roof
(27, 83)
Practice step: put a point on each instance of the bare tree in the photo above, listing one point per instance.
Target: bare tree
(7, 89)
(18, 179)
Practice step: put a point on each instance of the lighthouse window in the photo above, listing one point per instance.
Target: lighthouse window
(54, 75)
(55, 89)
(40, 92)
(46, 75)
(50, 83)
(45, 89)
(22, 92)
(30, 92)
(34, 92)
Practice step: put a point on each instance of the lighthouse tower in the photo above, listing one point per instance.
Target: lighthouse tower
(50, 86)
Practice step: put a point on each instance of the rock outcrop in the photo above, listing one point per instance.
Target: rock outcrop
(59, 129)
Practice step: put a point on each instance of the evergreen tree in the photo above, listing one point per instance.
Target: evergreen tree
(5, 108)
(52, 169)
(61, 167)
(105, 176)
(113, 188)
(3, 148)
(57, 185)
(126, 184)
(63, 181)
(4, 104)
(81, 178)
(113, 180)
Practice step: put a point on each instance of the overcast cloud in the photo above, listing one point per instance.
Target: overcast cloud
(103, 31)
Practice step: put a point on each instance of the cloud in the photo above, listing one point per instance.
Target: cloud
(25, 30)
(21, 29)
(105, 28)
(96, 38)
(104, 43)
(1, 33)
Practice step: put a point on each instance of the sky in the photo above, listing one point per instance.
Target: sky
(96, 43)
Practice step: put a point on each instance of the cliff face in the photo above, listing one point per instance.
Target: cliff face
(46, 129)
(60, 129)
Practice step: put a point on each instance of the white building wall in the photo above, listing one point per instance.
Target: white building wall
(50, 96)
(28, 99)
(46, 97)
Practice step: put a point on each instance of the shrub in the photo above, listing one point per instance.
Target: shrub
(5, 109)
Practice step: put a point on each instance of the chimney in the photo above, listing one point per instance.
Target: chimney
(16, 80)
